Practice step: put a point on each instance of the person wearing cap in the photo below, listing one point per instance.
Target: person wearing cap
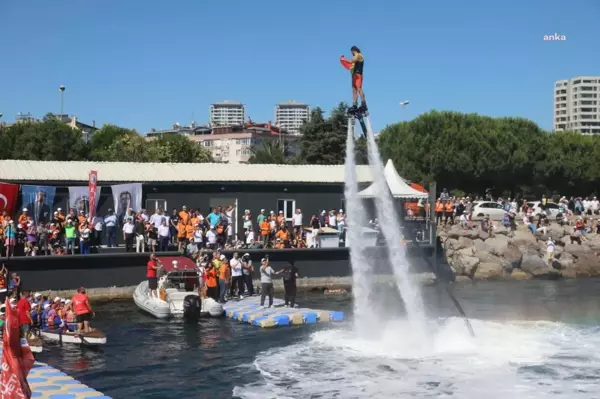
(247, 219)
(23, 216)
(184, 216)
(83, 310)
(260, 218)
(152, 274)
(111, 221)
(341, 221)
(266, 282)
(211, 238)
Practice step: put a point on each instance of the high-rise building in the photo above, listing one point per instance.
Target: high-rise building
(291, 115)
(577, 105)
(227, 113)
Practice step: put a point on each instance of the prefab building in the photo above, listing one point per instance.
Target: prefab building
(311, 188)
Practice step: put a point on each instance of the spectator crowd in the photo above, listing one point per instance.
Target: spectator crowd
(186, 230)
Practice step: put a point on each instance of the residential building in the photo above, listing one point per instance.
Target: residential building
(233, 144)
(191, 130)
(291, 115)
(87, 131)
(227, 113)
(577, 105)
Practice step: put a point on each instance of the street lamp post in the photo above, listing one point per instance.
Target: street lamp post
(62, 99)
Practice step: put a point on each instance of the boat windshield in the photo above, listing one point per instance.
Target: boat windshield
(182, 279)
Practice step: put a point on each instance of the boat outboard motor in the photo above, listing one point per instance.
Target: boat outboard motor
(192, 307)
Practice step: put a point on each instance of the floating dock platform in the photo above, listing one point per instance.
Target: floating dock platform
(46, 382)
(248, 310)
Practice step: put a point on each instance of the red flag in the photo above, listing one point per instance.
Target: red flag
(17, 359)
(92, 186)
(8, 198)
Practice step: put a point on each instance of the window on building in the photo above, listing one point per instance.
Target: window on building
(154, 204)
(288, 206)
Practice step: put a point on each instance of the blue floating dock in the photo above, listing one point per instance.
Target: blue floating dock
(248, 310)
(46, 382)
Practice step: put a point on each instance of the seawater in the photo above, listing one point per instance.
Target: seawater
(535, 339)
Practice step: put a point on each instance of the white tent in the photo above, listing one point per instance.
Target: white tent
(397, 185)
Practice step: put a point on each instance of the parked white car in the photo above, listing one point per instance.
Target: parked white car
(552, 209)
(492, 208)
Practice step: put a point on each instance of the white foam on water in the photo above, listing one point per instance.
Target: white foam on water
(505, 360)
(390, 227)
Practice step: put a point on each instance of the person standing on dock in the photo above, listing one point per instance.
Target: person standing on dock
(248, 270)
(224, 275)
(237, 278)
(266, 282)
(290, 275)
(152, 275)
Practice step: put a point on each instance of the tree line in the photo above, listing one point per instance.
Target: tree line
(53, 140)
(463, 152)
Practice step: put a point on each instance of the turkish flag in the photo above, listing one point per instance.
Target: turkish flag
(17, 359)
(8, 198)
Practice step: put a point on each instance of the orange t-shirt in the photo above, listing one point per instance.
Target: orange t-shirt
(189, 231)
(180, 230)
(22, 219)
(80, 304)
(211, 278)
(195, 220)
(184, 217)
(265, 228)
(283, 235)
(224, 272)
(279, 220)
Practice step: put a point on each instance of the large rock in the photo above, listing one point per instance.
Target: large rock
(478, 245)
(500, 229)
(578, 250)
(496, 245)
(512, 256)
(488, 271)
(569, 272)
(485, 256)
(469, 251)
(453, 244)
(463, 279)
(464, 265)
(483, 235)
(523, 240)
(587, 265)
(472, 234)
(465, 242)
(518, 274)
(534, 264)
(563, 261)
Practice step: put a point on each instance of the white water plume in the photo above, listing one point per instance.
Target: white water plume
(390, 227)
(355, 221)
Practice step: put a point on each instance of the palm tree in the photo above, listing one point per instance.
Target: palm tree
(269, 152)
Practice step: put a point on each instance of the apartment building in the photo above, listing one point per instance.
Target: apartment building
(227, 113)
(577, 105)
(291, 115)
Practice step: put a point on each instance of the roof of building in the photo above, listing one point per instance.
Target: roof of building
(132, 172)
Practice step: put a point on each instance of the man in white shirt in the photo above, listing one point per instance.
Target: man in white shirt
(211, 238)
(110, 222)
(156, 218)
(237, 278)
(297, 221)
(163, 236)
(128, 234)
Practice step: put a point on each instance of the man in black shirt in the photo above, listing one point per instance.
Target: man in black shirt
(290, 275)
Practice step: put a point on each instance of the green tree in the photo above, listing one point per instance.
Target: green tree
(269, 152)
(323, 141)
(129, 149)
(176, 149)
(104, 137)
(50, 140)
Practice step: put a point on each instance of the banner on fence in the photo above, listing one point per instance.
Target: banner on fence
(9, 194)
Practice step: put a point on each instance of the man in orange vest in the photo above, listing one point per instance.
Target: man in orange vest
(449, 210)
(439, 211)
(265, 230)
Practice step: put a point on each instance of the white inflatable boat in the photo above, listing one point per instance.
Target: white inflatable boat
(178, 287)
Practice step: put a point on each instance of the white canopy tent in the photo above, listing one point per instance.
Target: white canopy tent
(397, 185)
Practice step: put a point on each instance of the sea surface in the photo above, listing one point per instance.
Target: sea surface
(534, 339)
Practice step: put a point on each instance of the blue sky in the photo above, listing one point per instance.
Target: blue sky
(149, 64)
